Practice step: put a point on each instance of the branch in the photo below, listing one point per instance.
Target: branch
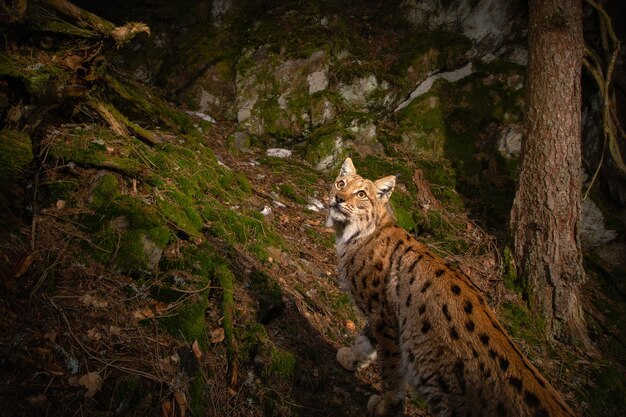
(92, 22)
(120, 124)
(593, 64)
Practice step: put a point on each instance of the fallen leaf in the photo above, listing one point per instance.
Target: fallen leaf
(92, 381)
(146, 313)
(51, 335)
(350, 325)
(196, 349)
(217, 335)
(161, 307)
(93, 334)
(23, 266)
(114, 330)
(61, 204)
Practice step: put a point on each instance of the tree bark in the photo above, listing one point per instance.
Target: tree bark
(546, 210)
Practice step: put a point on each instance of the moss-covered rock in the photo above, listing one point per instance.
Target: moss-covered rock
(275, 94)
(282, 364)
(127, 233)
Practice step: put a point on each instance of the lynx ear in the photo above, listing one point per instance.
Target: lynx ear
(347, 168)
(385, 187)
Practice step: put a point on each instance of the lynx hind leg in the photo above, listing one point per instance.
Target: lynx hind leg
(359, 356)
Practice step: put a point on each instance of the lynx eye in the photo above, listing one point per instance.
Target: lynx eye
(340, 184)
(361, 194)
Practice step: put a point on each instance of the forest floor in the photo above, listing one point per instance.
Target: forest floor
(77, 315)
(80, 339)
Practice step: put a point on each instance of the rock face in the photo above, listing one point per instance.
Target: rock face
(276, 95)
(593, 232)
(487, 22)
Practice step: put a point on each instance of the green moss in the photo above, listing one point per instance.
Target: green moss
(251, 340)
(322, 142)
(509, 270)
(34, 77)
(282, 364)
(198, 394)
(126, 231)
(87, 145)
(249, 228)
(105, 191)
(181, 211)
(289, 191)
(422, 124)
(140, 104)
(61, 189)
(16, 153)
(520, 323)
(189, 322)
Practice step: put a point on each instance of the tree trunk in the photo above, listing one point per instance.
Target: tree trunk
(546, 211)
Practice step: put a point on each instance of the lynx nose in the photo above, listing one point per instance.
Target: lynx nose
(339, 199)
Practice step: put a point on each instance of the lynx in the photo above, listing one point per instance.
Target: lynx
(430, 324)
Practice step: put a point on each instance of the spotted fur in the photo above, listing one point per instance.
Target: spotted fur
(430, 324)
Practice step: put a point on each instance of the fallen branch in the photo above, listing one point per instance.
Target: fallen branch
(120, 124)
(94, 23)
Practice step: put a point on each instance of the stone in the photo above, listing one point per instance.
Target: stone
(593, 232)
(488, 23)
(510, 141)
(152, 252)
(425, 86)
(318, 81)
(276, 96)
(278, 152)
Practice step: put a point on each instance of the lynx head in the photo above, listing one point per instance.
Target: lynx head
(356, 205)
